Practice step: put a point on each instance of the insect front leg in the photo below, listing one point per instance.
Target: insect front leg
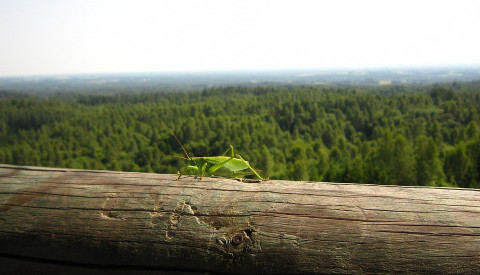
(187, 168)
(202, 170)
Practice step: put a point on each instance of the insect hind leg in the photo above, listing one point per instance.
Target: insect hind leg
(250, 167)
(229, 149)
(218, 166)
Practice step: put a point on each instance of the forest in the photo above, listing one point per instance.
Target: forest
(402, 135)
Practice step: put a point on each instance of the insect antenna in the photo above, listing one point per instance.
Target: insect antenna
(178, 157)
(188, 157)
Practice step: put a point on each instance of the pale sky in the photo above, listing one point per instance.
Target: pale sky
(100, 36)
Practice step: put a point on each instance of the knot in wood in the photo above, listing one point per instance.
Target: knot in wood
(238, 238)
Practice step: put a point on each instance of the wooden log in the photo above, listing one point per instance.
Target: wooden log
(78, 221)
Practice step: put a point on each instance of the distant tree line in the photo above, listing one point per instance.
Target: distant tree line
(419, 135)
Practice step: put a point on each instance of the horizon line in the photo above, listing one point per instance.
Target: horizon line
(253, 70)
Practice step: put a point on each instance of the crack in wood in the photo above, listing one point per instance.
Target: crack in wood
(81, 208)
(32, 193)
(432, 234)
(188, 209)
(110, 214)
(172, 226)
(29, 260)
(156, 215)
(328, 194)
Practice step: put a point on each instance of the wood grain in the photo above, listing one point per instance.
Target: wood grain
(57, 220)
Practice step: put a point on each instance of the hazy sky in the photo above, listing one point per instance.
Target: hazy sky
(68, 36)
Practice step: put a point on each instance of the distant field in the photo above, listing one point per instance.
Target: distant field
(188, 81)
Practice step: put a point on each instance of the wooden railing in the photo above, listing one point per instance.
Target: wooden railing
(67, 221)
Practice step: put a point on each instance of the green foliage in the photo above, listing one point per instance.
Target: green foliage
(398, 135)
(428, 164)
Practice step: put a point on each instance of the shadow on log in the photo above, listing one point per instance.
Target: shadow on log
(79, 221)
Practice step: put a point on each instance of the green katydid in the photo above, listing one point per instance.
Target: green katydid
(223, 165)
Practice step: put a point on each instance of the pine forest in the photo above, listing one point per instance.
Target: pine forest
(401, 135)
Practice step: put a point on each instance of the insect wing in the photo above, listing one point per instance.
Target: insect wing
(229, 164)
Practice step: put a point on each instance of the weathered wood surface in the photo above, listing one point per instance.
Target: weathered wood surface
(59, 220)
